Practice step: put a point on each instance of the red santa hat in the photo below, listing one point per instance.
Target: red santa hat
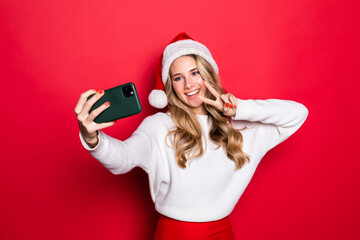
(181, 45)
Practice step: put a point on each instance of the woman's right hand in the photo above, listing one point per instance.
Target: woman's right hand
(88, 127)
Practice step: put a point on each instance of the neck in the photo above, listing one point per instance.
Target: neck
(199, 110)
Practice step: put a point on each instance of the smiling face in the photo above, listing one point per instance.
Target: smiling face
(188, 83)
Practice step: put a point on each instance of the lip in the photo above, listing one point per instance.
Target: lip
(193, 96)
(192, 91)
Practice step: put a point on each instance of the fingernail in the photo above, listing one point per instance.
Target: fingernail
(107, 103)
(227, 104)
(230, 105)
(101, 91)
(235, 106)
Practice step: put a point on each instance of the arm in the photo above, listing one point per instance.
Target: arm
(121, 156)
(276, 119)
(117, 156)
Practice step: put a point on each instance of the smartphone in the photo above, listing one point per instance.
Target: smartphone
(124, 102)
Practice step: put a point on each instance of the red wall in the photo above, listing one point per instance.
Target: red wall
(51, 51)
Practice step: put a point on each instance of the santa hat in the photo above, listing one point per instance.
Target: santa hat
(181, 45)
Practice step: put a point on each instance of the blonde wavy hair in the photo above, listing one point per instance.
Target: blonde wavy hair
(187, 140)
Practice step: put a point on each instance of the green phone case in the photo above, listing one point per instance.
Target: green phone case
(124, 102)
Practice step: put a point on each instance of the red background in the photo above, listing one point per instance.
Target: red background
(52, 51)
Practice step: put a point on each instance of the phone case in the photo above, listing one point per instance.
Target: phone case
(124, 102)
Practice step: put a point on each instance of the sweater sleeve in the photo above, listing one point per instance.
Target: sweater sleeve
(275, 120)
(121, 156)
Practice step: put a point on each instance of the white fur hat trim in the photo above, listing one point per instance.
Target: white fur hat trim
(158, 99)
(181, 48)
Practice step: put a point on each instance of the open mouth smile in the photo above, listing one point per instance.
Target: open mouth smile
(192, 93)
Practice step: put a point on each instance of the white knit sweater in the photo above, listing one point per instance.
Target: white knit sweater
(209, 188)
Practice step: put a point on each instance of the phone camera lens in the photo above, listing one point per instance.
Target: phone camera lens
(128, 91)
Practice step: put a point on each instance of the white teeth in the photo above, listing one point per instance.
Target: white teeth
(192, 93)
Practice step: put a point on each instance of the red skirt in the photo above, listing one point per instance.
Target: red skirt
(168, 228)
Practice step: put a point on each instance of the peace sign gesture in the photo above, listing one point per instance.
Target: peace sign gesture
(226, 103)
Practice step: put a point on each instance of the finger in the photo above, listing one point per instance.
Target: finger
(231, 111)
(93, 126)
(225, 98)
(208, 101)
(89, 103)
(211, 89)
(97, 111)
(105, 125)
(226, 101)
(82, 100)
(233, 100)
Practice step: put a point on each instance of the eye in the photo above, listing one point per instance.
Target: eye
(195, 73)
(177, 79)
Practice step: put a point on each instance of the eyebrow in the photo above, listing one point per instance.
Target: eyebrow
(180, 73)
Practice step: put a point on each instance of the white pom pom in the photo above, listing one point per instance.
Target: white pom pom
(158, 99)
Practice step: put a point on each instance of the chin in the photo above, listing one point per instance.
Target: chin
(194, 106)
(194, 103)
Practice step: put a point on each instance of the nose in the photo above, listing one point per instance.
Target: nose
(189, 82)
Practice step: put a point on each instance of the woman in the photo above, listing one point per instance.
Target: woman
(201, 154)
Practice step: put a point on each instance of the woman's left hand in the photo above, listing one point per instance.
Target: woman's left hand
(226, 103)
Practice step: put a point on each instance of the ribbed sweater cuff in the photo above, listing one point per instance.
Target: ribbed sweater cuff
(86, 146)
(243, 110)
